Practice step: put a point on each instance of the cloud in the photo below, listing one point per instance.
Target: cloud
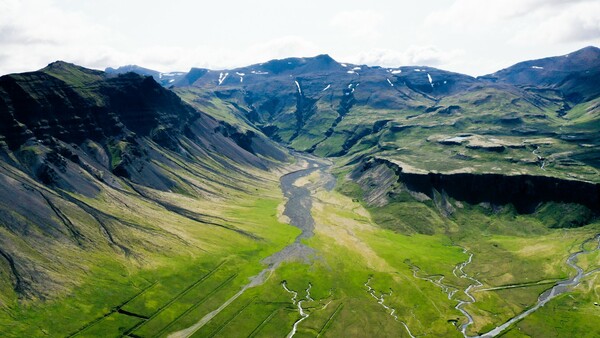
(34, 33)
(412, 56)
(358, 23)
(169, 58)
(283, 47)
(580, 23)
(468, 13)
(537, 21)
(464, 13)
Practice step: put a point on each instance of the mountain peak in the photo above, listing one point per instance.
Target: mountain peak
(551, 70)
(315, 63)
(324, 58)
(589, 53)
(72, 73)
(60, 66)
(133, 68)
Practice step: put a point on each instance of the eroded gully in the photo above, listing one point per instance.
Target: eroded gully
(298, 210)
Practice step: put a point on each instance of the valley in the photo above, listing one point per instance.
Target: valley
(301, 198)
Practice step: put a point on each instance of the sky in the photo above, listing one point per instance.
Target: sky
(474, 37)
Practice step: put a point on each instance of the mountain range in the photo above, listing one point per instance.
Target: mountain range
(122, 181)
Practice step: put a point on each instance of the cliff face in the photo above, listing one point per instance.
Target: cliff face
(525, 192)
(42, 106)
(66, 115)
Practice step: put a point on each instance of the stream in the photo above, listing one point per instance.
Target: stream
(381, 301)
(298, 209)
(303, 315)
(461, 303)
(558, 289)
(539, 158)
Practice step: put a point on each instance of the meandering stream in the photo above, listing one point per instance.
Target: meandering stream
(298, 210)
(303, 315)
(558, 289)
(381, 301)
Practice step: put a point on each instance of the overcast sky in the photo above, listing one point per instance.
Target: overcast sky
(475, 37)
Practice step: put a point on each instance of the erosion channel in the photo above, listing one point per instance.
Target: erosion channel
(298, 210)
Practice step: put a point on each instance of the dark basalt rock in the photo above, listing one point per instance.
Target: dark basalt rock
(45, 114)
(525, 192)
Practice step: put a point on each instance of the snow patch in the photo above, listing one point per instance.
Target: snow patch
(172, 80)
(258, 72)
(430, 80)
(343, 65)
(397, 71)
(456, 139)
(356, 68)
(350, 72)
(241, 75)
(298, 85)
(417, 70)
(390, 82)
(352, 87)
(537, 67)
(328, 86)
(222, 77)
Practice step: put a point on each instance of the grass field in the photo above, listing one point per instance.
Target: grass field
(515, 257)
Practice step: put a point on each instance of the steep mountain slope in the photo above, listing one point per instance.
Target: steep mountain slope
(302, 101)
(90, 160)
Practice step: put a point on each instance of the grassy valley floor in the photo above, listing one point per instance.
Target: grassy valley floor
(360, 279)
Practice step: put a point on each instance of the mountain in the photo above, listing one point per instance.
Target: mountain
(575, 74)
(427, 121)
(334, 109)
(165, 79)
(302, 100)
(77, 143)
(463, 124)
(300, 196)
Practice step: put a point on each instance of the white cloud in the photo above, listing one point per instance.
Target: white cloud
(581, 22)
(526, 21)
(170, 58)
(35, 32)
(470, 13)
(283, 47)
(412, 56)
(358, 23)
